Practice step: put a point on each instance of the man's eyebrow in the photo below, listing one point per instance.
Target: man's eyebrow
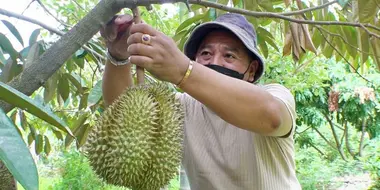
(233, 49)
(225, 47)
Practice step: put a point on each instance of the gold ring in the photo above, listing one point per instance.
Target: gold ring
(145, 39)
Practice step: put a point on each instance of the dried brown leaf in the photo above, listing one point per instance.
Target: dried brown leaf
(308, 41)
(287, 2)
(301, 37)
(296, 42)
(287, 44)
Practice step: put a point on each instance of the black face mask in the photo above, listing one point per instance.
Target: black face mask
(227, 71)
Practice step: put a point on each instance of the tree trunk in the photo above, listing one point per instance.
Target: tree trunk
(338, 145)
(347, 139)
(361, 145)
(6, 179)
(317, 149)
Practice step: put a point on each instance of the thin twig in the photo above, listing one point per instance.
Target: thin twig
(48, 12)
(309, 9)
(273, 15)
(27, 7)
(356, 71)
(369, 32)
(305, 64)
(345, 41)
(80, 6)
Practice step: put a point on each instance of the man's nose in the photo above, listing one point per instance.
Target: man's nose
(216, 60)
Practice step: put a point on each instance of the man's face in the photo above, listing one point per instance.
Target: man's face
(225, 49)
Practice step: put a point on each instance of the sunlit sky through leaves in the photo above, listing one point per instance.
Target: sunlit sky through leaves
(33, 11)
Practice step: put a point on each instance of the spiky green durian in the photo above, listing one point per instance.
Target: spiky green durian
(137, 142)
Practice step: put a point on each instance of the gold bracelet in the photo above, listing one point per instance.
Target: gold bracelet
(187, 74)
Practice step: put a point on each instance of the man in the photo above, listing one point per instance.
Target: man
(238, 135)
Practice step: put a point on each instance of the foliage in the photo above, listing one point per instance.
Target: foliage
(76, 173)
(315, 62)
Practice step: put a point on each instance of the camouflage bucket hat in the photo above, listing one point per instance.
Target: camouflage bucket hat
(235, 23)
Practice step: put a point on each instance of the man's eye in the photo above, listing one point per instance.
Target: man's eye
(205, 53)
(230, 56)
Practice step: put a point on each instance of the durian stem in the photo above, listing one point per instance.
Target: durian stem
(139, 70)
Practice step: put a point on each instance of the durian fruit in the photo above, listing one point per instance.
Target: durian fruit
(137, 142)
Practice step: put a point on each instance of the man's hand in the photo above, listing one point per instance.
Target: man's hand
(116, 33)
(161, 57)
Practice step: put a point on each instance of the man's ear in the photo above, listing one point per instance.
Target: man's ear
(253, 66)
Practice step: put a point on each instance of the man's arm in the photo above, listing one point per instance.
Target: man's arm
(115, 80)
(238, 102)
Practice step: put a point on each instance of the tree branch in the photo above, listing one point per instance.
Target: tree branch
(265, 14)
(130, 3)
(335, 135)
(309, 9)
(369, 32)
(361, 144)
(49, 28)
(324, 138)
(53, 58)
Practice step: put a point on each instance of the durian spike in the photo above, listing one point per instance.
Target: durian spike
(139, 70)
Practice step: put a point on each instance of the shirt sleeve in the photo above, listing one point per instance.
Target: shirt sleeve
(285, 96)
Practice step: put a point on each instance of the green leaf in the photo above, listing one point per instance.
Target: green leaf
(63, 87)
(83, 101)
(18, 99)
(343, 3)
(47, 147)
(367, 10)
(263, 47)
(364, 45)
(80, 53)
(79, 61)
(95, 94)
(10, 70)
(15, 154)
(7, 46)
(14, 31)
(50, 87)
(58, 134)
(267, 37)
(2, 58)
(33, 37)
(76, 128)
(39, 144)
(252, 5)
(82, 134)
(34, 54)
(74, 81)
(23, 120)
(30, 138)
(189, 21)
(350, 35)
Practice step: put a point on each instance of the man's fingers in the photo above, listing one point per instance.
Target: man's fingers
(137, 38)
(143, 28)
(116, 26)
(140, 49)
(122, 19)
(141, 61)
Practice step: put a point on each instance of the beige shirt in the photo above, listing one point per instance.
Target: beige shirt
(220, 156)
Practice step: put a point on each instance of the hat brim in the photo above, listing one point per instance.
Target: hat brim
(192, 44)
